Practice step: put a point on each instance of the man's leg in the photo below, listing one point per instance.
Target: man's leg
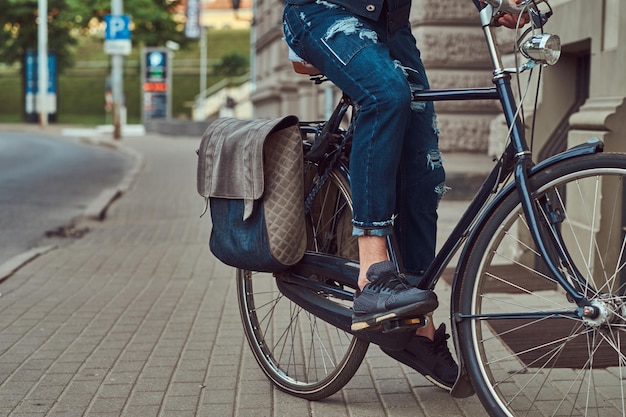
(347, 49)
(372, 250)
(421, 183)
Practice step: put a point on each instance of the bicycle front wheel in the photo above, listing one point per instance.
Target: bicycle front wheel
(301, 354)
(527, 351)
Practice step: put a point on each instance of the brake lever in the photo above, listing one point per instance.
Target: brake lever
(539, 19)
(505, 7)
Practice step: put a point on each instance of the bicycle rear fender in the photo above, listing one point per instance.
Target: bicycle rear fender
(462, 388)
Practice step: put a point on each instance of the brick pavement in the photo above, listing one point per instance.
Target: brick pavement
(137, 318)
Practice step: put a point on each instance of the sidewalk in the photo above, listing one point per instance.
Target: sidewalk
(137, 318)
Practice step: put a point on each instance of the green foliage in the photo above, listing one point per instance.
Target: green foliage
(18, 29)
(153, 23)
(232, 64)
(81, 88)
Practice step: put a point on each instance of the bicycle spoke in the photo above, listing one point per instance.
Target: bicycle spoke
(533, 352)
(301, 354)
(591, 218)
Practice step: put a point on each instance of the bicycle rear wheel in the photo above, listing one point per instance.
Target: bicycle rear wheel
(301, 354)
(526, 350)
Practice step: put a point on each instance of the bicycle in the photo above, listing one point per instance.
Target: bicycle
(539, 281)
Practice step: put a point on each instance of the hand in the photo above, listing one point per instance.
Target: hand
(511, 20)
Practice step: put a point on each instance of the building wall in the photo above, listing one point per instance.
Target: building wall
(453, 50)
(219, 14)
(599, 34)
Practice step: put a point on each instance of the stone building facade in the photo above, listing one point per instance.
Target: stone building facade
(582, 96)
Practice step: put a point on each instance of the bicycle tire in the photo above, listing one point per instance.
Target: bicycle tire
(549, 364)
(301, 354)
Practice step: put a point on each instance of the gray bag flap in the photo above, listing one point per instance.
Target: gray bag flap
(230, 158)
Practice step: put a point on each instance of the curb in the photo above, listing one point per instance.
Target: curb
(15, 263)
(96, 210)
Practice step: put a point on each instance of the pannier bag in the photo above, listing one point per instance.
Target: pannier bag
(251, 171)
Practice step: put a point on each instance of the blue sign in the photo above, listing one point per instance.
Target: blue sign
(32, 88)
(156, 59)
(52, 73)
(156, 65)
(118, 27)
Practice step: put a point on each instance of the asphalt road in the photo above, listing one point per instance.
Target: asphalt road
(46, 182)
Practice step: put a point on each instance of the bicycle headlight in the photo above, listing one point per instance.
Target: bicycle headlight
(542, 49)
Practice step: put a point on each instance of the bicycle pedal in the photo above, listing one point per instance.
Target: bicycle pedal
(401, 324)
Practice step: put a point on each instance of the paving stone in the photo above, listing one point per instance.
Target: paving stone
(137, 318)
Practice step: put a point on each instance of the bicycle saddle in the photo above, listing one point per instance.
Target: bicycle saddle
(305, 68)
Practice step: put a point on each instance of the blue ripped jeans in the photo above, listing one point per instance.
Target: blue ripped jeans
(397, 177)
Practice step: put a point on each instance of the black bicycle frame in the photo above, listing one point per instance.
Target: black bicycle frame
(515, 160)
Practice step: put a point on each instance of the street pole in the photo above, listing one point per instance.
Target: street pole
(42, 65)
(203, 62)
(117, 80)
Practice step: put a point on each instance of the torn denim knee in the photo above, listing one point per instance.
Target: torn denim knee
(441, 190)
(435, 124)
(417, 105)
(434, 159)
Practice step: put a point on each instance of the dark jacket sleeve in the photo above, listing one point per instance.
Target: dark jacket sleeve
(370, 9)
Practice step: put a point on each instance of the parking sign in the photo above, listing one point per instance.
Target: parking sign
(117, 34)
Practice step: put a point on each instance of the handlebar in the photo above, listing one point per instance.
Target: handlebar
(505, 7)
(499, 7)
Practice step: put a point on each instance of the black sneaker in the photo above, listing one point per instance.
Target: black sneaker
(388, 295)
(430, 358)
